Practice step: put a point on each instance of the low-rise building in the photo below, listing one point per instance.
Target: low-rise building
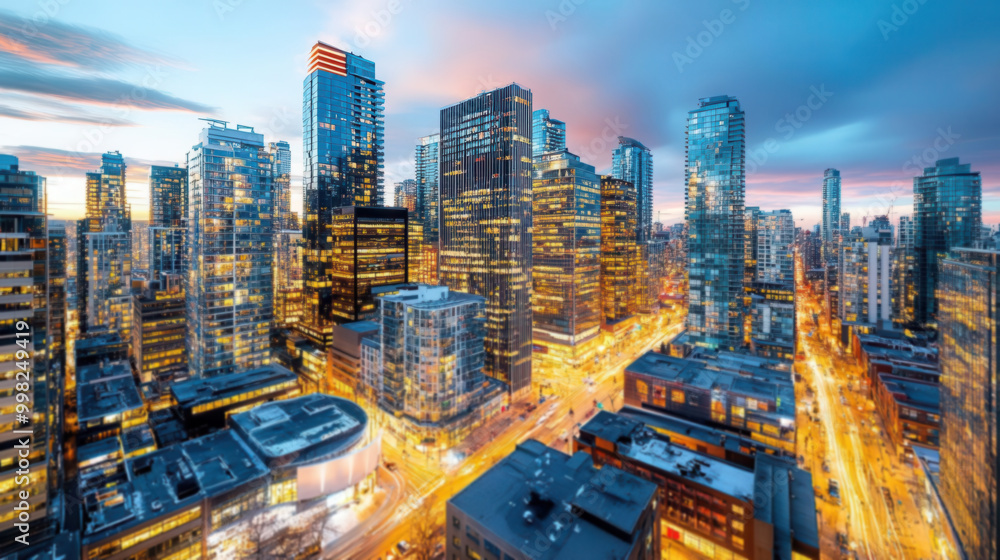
(205, 403)
(108, 401)
(541, 504)
(772, 319)
(345, 354)
(727, 390)
(911, 412)
(708, 505)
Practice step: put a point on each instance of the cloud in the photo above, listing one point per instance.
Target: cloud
(80, 118)
(50, 162)
(99, 91)
(53, 42)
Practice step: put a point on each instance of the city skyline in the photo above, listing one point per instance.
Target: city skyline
(855, 122)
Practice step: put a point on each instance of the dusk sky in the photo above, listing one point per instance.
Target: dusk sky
(876, 88)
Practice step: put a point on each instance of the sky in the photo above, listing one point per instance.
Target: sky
(878, 89)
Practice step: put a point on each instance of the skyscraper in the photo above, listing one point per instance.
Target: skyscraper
(775, 258)
(619, 288)
(751, 215)
(25, 298)
(831, 211)
(168, 206)
(406, 195)
(547, 134)
(486, 220)
(947, 213)
(427, 186)
(281, 170)
(566, 259)
(968, 292)
(104, 251)
(633, 162)
(715, 183)
(864, 274)
(342, 141)
(228, 289)
(903, 272)
(286, 263)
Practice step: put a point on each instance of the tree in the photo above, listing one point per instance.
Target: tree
(423, 530)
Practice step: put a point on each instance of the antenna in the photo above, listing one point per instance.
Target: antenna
(215, 122)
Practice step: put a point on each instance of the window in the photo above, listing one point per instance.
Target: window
(472, 553)
(677, 396)
(738, 510)
(455, 522)
(491, 548)
(456, 542)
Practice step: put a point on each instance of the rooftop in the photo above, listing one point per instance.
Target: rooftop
(915, 394)
(306, 428)
(425, 296)
(107, 396)
(528, 493)
(663, 422)
(201, 390)
(361, 326)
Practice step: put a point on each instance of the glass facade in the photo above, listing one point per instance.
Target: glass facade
(865, 274)
(167, 251)
(547, 134)
(168, 196)
(947, 213)
(428, 186)
(406, 195)
(230, 236)
(619, 287)
(904, 270)
(486, 220)
(714, 210)
(25, 298)
(775, 256)
(566, 269)
(752, 215)
(633, 162)
(104, 251)
(831, 211)
(968, 292)
(342, 141)
(432, 353)
(772, 319)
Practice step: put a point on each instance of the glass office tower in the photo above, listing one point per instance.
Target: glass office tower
(428, 186)
(486, 220)
(831, 212)
(104, 251)
(904, 272)
(619, 251)
(715, 183)
(968, 292)
(547, 134)
(947, 213)
(168, 204)
(751, 216)
(775, 257)
(342, 142)
(228, 287)
(405, 194)
(25, 298)
(566, 268)
(633, 162)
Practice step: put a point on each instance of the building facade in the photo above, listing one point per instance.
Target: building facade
(831, 212)
(486, 220)
(343, 145)
(566, 260)
(406, 195)
(714, 210)
(547, 134)
(865, 275)
(947, 213)
(633, 162)
(228, 289)
(428, 186)
(968, 292)
(619, 251)
(775, 256)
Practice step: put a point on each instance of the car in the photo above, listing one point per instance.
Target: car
(403, 547)
(390, 465)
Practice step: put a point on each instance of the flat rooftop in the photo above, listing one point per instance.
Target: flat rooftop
(166, 481)
(914, 394)
(310, 427)
(361, 326)
(94, 372)
(529, 491)
(195, 391)
(107, 396)
(665, 422)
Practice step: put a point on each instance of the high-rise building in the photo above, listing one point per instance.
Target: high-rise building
(566, 265)
(633, 162)
(228, 288)
(752, 216)
(342, 141)
(287, 260)
(947, 213)
(772, 319)
(167, 251)
(168, 196)
(26, 324)
(104, 251)
(427, 170)
(831, 211)
(904, 272)
(845, 224)
(619, 289)
(281, 185)
(547, 134)
(715, 183)
(968, 292)
(159, 331)
(486, 220)
(432, 355)
(406, 195)
(864, 274)
(775, 257)
(57, 296)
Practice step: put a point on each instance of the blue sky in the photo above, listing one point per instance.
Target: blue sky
(876, 88)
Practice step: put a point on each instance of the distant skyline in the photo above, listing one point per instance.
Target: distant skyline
(854, 85)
